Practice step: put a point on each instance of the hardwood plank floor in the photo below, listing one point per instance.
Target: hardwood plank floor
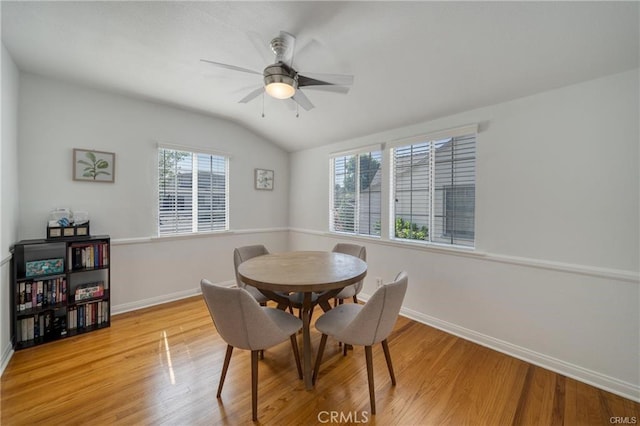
(161, 365)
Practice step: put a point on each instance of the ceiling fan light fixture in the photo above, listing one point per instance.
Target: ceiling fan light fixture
(280, 90)
(279, 81)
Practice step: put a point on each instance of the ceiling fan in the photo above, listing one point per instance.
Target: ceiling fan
(282, 81)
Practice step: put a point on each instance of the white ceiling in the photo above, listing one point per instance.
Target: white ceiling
(412, 61)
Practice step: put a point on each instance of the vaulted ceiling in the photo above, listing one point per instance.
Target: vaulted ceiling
(412, 61)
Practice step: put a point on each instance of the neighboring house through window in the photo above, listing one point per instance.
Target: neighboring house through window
(192, 191)
(356, 192)
(434, 189)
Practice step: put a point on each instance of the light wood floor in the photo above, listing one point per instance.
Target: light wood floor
(161, 365)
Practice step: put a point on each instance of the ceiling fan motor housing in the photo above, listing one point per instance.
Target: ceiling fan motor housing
(280, 73)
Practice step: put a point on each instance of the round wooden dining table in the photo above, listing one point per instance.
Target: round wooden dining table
(306, 272)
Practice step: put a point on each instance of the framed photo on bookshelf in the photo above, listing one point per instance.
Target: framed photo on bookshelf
(93, 166)
(264, 179)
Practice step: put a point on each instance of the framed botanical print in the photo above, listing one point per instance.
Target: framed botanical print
(264, 179)
(93, 166)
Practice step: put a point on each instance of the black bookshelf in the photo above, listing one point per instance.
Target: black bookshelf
(59, 288)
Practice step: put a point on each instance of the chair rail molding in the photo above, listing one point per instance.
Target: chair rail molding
(632, 277)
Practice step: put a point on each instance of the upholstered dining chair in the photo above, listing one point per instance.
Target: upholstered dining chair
(365, 325)
(352, 290)
(243, 323)
(242, 254)
(296, 299)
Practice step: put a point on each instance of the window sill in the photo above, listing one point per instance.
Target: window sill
(190, 235)
(410, 244)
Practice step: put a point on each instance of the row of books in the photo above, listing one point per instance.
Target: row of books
(41, 293)
(89, 314)
(82, 256)
(44, 324)
(47, 324)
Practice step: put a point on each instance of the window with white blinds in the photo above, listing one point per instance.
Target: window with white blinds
(356, 193)
(192, 192)
(434, 190)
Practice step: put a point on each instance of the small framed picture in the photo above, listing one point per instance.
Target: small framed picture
(93, 166)
(54, 232)
(82, 230)
(264, 179)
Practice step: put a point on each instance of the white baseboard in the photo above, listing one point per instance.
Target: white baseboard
(158, 300)
(6, 357)
(610, 384)
(593, 378)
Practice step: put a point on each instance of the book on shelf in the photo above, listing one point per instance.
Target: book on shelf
(89, 291)
(84, 256)
(28, 296)
(88, 314)
(21, 294)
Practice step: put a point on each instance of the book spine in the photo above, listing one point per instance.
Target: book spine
(30, 327)
(27, 296)
(40, 294)
(21, 296)
(36, 326)
(23, 330)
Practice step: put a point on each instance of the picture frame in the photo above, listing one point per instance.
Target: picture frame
(93, 166)
(264, 179)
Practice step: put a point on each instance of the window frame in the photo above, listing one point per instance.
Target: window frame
(357, 153)
(433, 214)
(194, 191)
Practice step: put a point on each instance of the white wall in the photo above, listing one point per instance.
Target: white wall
(555, 275)
(8, 193)
(55, 117)
(554, 278)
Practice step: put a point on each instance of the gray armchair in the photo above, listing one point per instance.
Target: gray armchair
(242, 254)
(365, 325)
(244, 324)
(352, 290)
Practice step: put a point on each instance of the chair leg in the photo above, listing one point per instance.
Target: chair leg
(372, 397)
(387, 356)
(254, 385)
(355, 299)
(323, 342)
(225, 366)
(261, 353)
(296, 354)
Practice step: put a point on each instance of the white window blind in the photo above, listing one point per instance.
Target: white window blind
(192, 192)
(356, 193)
(434, 191)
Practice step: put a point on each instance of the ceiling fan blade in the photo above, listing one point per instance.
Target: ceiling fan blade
(329, 88)
(252, 95)
(315, 79)
(302, 100)
(231, 67)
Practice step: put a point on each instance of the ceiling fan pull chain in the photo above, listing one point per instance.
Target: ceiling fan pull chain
(262, 104)
(297, 110)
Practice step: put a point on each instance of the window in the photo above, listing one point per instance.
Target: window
(434, 190)
(192, 192)
(356, 193)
